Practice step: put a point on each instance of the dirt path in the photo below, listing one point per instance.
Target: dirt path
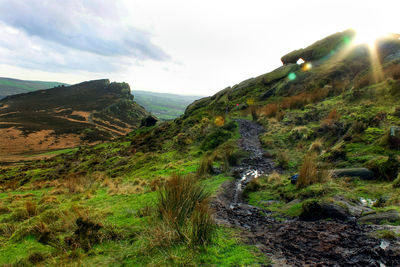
(295, 242)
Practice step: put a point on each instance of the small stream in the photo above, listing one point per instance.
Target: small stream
(253, 166)
(294, 242)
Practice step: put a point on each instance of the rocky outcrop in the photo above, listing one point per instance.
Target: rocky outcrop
(320, 49)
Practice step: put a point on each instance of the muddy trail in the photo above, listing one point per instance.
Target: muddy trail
(295, 242)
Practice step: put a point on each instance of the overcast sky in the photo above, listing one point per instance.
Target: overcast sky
(187, 47)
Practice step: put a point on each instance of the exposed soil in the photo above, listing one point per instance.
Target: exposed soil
(15, 143)
(295, 242)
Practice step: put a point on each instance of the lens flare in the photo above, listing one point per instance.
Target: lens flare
(306, 66)
(292, 76)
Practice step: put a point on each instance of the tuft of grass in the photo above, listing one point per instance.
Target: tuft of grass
(206, 166)
(274, 178)
(308, 173)
(316, 146)
(178, 198)
(282, 159)
(31, 208)
(202, 224)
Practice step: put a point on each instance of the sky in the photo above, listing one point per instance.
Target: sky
(175, 46)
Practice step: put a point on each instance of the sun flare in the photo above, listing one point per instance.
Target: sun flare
(367, 36)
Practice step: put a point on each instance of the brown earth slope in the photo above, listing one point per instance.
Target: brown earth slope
(64, 117)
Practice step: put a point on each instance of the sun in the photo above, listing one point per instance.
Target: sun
(368, 36)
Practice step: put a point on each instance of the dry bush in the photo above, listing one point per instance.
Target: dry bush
(325, 176)
(316, 146)
(319, 94)
(333, 115)
(10, 185)
(269, 110)
(274, 178)
(125, 189)
(73, 184)
(308, 173)
(31, 208)
(79, 182)
(157, 183)
(296, 101)
(40, 184)
(331, 119)
(58, 191)
(282, 159)
(49, 199)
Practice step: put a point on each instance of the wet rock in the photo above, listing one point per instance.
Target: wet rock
(362, 173)
(355, 209)
(314, 210)
(390, 216)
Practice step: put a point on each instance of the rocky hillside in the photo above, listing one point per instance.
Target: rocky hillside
(64, 117)
(9, 86)
(144, 198)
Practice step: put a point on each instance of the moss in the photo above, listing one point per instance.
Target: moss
(385, 168)
(253, 186)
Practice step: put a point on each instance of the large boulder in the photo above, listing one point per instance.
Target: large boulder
(355, 208)
(376, 218)
(362, 173)
(315, 210)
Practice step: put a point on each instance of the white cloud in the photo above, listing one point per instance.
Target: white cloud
(212, 44)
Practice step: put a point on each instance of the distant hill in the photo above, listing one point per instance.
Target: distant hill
(164, 106)
(9, 86)
(64, 117)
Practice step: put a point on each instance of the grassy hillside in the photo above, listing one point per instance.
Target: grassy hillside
(10, 86)
(64, 117)
(143, 199)
(164, 106)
